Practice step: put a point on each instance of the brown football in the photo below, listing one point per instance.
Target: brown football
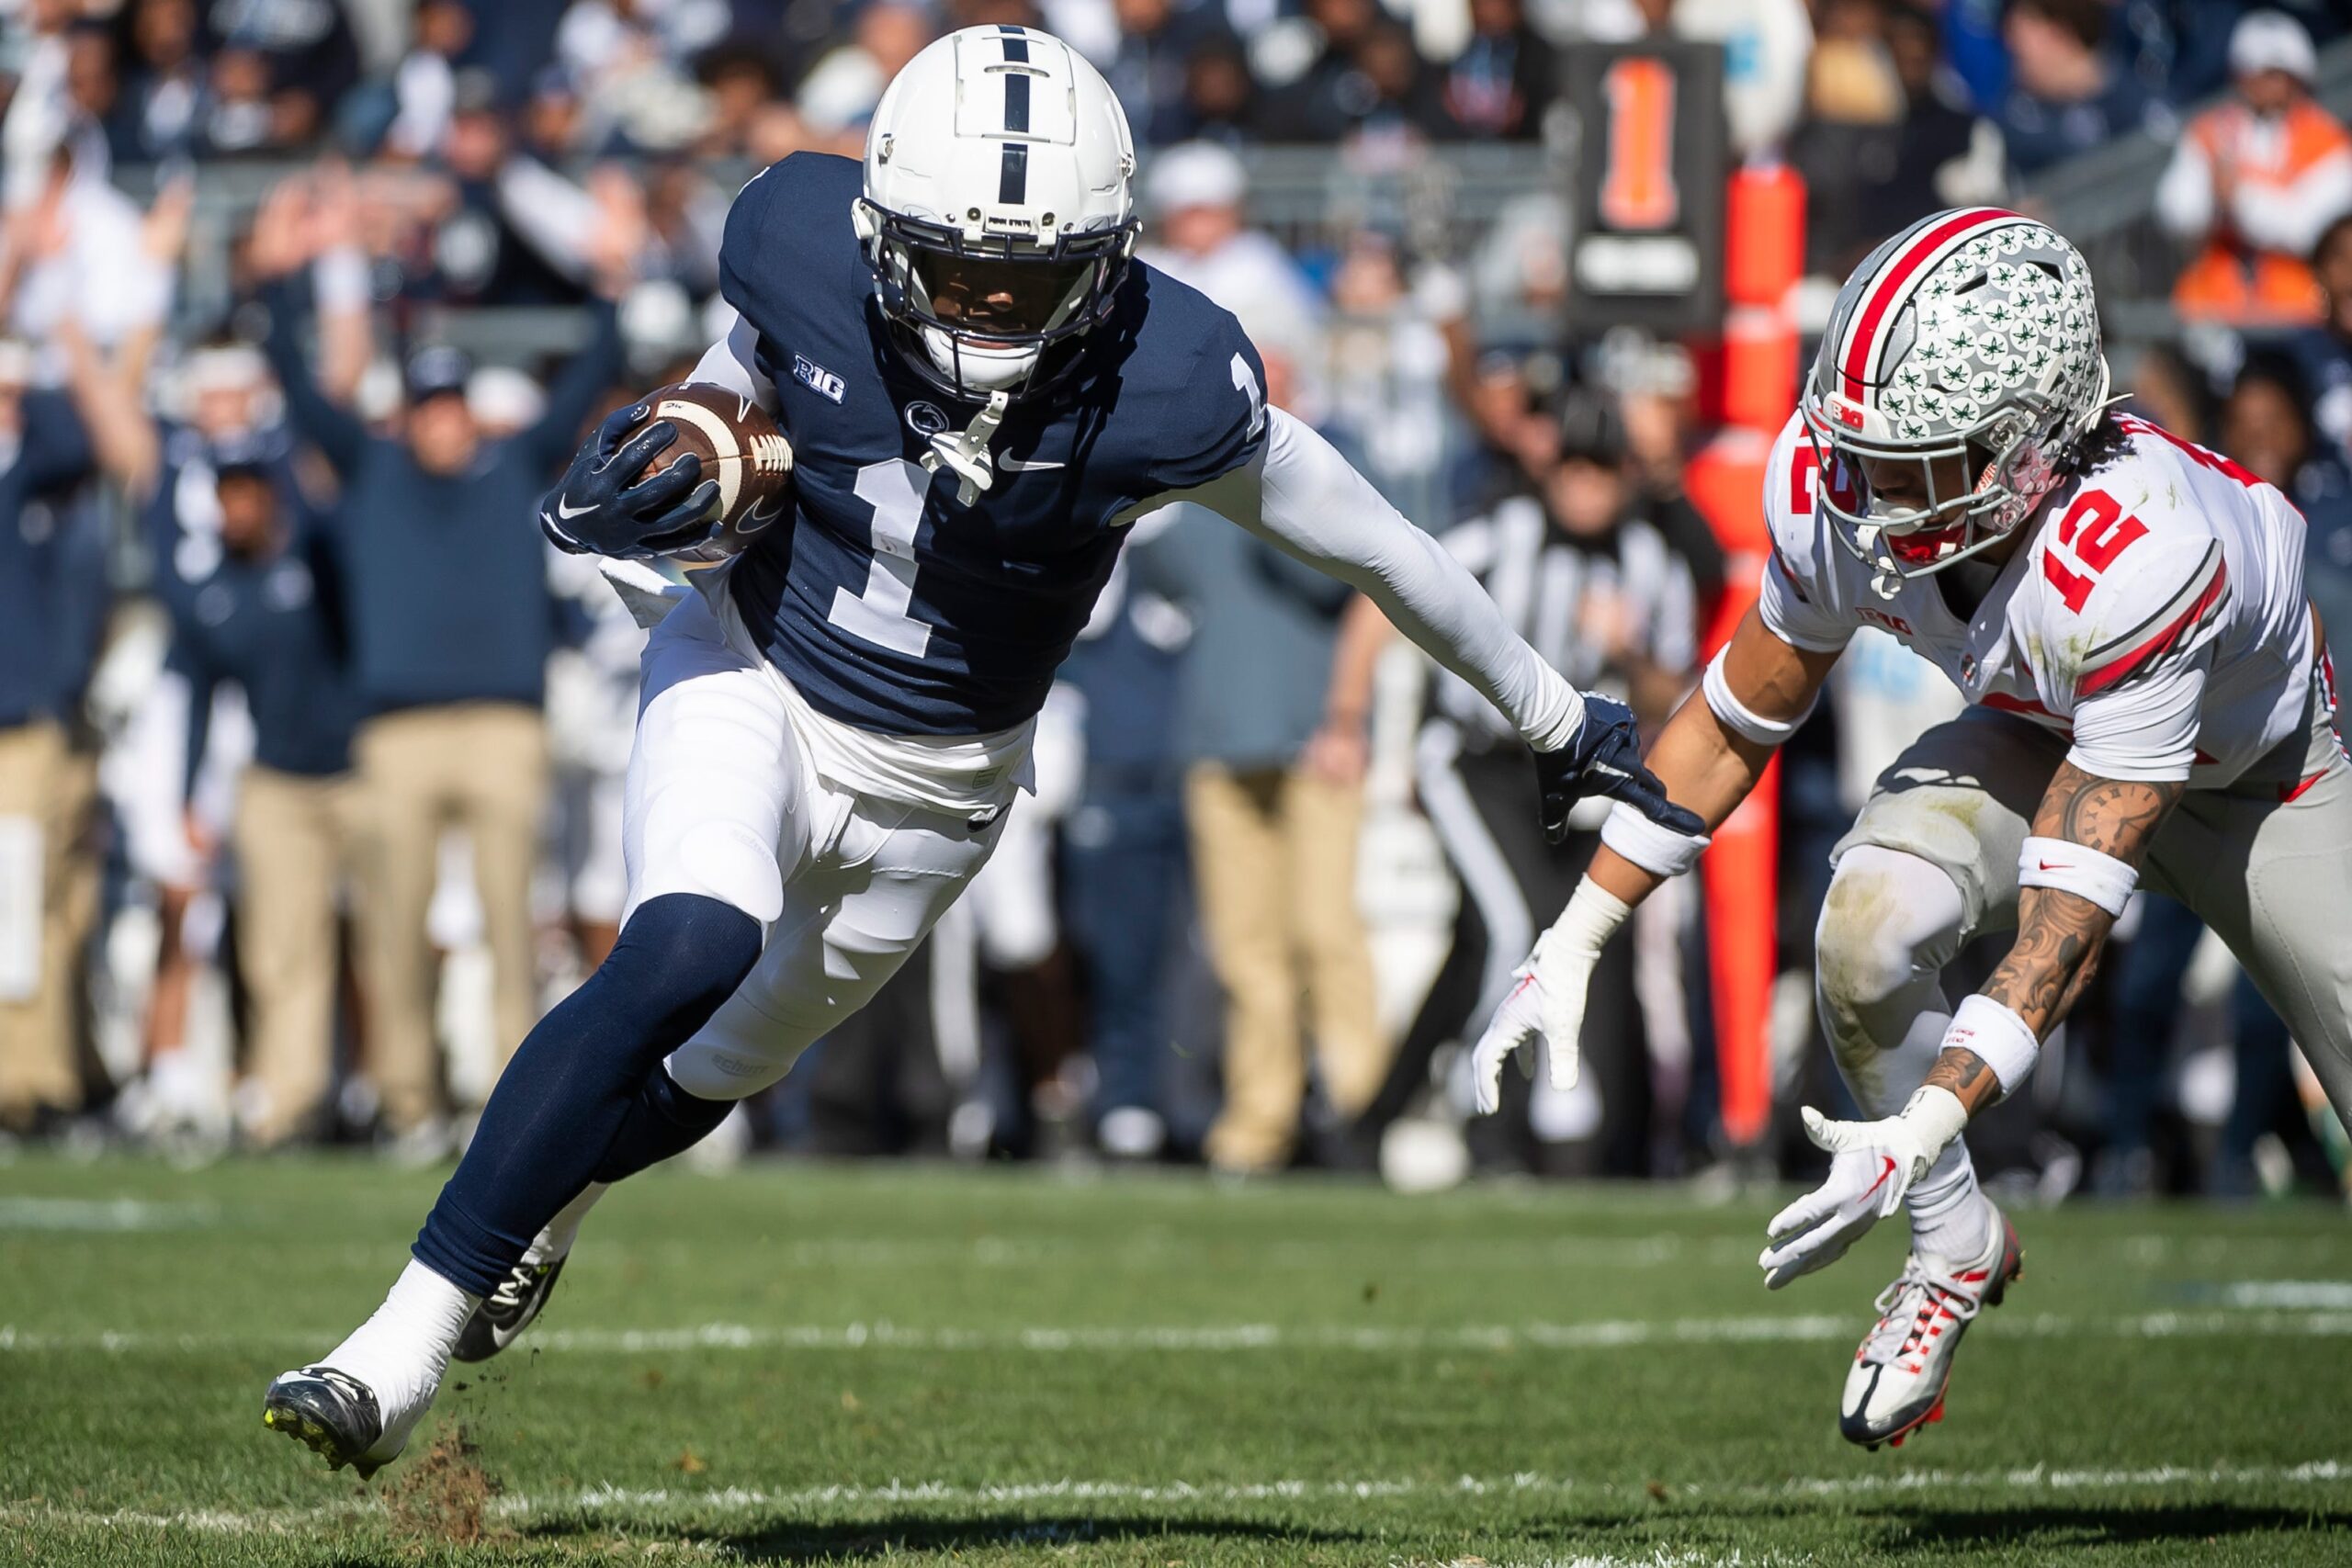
(740, 447)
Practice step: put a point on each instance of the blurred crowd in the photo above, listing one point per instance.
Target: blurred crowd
(311, 752)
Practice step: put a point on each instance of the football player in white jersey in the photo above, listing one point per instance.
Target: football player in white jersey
(2149, 702)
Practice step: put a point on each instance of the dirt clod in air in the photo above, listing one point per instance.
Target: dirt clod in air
(447, 1494)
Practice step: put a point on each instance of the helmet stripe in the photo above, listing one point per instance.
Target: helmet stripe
(1016, 102)
(1012, 179)
(1016, 44)
(1892, 283)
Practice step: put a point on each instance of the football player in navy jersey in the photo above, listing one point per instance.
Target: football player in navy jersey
(981, 390)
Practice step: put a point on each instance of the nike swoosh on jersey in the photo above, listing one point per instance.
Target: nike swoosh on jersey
(1017, 464)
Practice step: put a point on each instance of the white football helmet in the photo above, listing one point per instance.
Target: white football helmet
(1971, 334)
(997, 215)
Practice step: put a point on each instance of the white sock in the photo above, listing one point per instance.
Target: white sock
(1951, 1220)
(404, 1348)
(556, 1240)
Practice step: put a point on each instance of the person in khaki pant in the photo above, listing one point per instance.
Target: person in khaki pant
(481, 767)
(47, 788)
(1274, 799)
(292, 839)
(1274, 860)
(42, 823)
(451, 625)
(264, 611)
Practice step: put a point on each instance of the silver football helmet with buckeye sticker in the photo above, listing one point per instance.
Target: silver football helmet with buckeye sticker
(1973, 334)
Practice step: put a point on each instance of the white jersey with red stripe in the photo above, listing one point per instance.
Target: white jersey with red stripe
(2157, 614)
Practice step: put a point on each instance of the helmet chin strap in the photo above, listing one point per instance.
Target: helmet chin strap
(1886, 583)
(965, 453)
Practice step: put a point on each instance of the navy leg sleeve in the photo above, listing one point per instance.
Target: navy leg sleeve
(569, 1089)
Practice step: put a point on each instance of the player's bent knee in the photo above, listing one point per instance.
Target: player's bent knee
(1886, 915)
(680, 957)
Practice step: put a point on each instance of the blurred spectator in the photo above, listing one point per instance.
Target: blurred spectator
(1274, 798)
(1123, 854)
(838, 95)
(1500, 85)
(425, 84)
(44, 451)
(2323, 352)
(1221, 100)
(291, 60)
(1195, 196)
(1158, 43)
(78, 248)
(163, 104)
(1766, 44)
(450, 633)
(1888, 136)
(503, 228)
(740, 80)
(269, 619)
(1366, 81)
(2066, 95)
(2256, 180)
(1386, 369)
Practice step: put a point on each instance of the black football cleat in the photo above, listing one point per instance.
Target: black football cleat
(334, 1416)
(503, 1313)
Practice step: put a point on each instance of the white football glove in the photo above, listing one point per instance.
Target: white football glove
(1872, 1168)
(1548, 999)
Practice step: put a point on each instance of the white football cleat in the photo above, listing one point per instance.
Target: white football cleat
(1897, 1382)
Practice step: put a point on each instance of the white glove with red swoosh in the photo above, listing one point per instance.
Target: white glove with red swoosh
(1872, 1167)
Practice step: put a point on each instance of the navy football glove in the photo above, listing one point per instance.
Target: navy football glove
(602, 508)
(1605, 758)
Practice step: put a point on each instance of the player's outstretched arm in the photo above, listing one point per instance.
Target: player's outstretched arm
(1308, 500)
(1708, 757)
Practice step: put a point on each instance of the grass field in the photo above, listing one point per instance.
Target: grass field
(909, 1364)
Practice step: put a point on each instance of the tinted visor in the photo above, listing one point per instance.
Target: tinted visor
(997, 296)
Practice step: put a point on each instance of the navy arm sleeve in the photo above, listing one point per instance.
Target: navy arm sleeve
(575, 389)
(335, 430)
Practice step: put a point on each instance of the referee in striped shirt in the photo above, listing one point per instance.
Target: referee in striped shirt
(1604, 579)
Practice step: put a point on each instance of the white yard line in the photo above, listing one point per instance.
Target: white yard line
(613, 1499)
(101, 1214)
(1215, 1338)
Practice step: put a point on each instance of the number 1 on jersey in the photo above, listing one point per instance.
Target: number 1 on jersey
(894, 489)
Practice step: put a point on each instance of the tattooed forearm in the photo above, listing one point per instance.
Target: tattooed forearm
(1967, 1075)
(2060, 935)
(2115, 816)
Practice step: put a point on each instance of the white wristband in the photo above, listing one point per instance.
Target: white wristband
(2070, 867)
(1737, 715)
(1998, 1037)
(1657, 850)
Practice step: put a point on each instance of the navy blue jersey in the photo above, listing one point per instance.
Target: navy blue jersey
(890, 604)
